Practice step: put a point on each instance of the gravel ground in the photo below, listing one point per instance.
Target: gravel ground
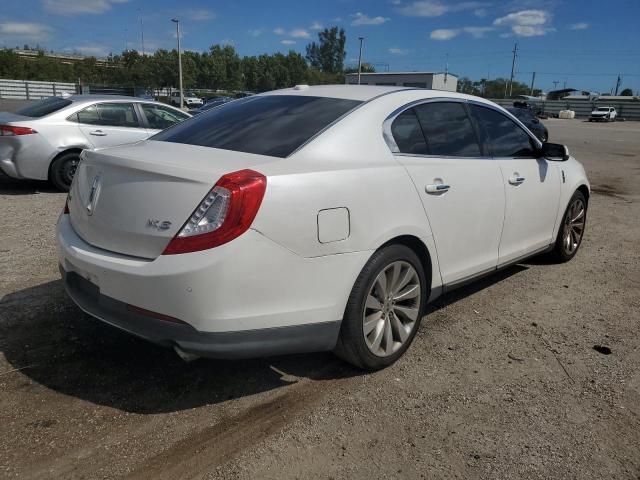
(501, 382)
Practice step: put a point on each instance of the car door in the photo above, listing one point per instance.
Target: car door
(461, 191)
(159, 117)
(531, 184)
(109, 124)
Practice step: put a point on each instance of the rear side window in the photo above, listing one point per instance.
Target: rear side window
(407, 133)
(274, 125)
(448, 129)
(160, 117)
(44, 107)
(108, 114)
(504, 136)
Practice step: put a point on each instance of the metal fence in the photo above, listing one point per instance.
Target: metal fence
(32, 90)
(628, 110)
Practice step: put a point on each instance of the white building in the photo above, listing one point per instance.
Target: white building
(431, 80)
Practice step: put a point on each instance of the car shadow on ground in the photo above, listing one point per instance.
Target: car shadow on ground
(53, 343)
(46, 338)
(12, 186)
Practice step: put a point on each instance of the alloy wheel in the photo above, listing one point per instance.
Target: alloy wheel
(391, 308)
(573, 226)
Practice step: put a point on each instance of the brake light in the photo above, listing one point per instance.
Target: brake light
(11, 131)
(226, 212)
(66, 207)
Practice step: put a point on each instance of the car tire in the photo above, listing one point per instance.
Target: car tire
(572, 229)
(396, 316)
(63, 169)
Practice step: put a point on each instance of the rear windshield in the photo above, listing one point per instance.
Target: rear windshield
(44, 107)
(274, 125)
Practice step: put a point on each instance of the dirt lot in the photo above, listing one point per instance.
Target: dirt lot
(502, 381)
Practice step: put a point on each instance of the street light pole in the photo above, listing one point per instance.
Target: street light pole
(360, 60)
(177, 22)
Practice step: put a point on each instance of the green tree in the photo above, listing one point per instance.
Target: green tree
(328, 54)
(626, 92)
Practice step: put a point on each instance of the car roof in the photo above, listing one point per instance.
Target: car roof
(364, 93)
(112, 98)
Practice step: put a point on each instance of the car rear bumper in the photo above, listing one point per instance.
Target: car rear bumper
(25, 156)
(245, 298)
(233, 345)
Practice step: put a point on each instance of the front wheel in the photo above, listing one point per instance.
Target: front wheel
(572, 229)
(384, 309)
(63, 169)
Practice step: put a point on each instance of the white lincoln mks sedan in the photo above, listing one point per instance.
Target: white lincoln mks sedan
(312, 218)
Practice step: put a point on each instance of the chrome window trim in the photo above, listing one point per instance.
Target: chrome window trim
(395, 150)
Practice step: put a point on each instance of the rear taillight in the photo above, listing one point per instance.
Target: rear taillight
(226, 212)
(11, 131)
(66, 207)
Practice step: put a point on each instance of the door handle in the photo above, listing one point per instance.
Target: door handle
(515, 179)
(97, 133)
(437, 188)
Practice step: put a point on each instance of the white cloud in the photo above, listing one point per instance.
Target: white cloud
(398, 51)
(316, 26)
(295, 33)
(26, 31)
(288, 42)
(444, 33)
(79, 7)
(480, 12)
(200, 14)
(227, 42)
(362, 19)
(255, 32)
(526, 23)
(477, 32)
(435, 8)
(579, 26)
(299, 33)
(337, 19)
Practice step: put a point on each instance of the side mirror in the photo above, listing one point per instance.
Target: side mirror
(555, 151)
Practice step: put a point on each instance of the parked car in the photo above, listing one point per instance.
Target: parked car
(533, 123)
(312, 218)
(190, 99)
(244, 94)
(43, 140)
(603, 114)
(211, 104)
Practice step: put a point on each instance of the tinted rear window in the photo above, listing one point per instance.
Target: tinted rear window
(274, 125)
(44, 107)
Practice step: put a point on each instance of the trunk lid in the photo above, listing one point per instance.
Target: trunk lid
(134, 199)
(8, 118)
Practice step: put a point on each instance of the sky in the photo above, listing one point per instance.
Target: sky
(582, 44)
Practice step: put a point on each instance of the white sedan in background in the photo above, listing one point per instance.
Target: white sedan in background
(43, 140)
(312, 218)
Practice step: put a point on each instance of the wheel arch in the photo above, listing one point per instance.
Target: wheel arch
(420, 249)
(77, 150)
(585, 191)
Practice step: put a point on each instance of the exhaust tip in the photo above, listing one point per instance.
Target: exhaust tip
(187, 357)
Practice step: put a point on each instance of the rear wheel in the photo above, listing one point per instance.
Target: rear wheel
(571, 229)
(63, 169)
(384, 310)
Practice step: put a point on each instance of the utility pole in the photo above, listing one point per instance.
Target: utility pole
(618, 84)
(533, 81)
(141, 32)
(177, 22)
(513, 67)
(360, 59)
(555, 84)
